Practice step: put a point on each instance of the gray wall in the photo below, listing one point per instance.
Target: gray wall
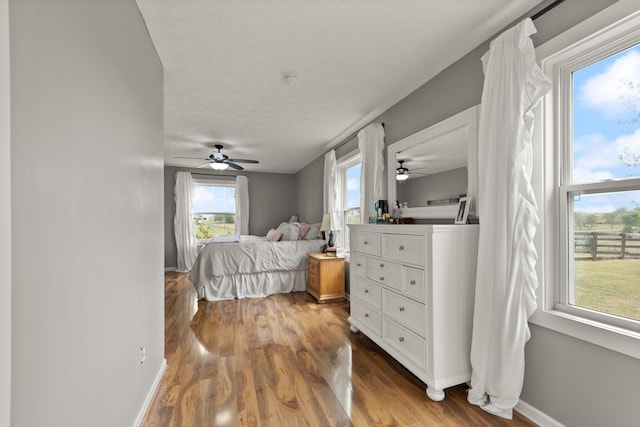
(575, 382)
(309, 191)
(272, 200)
(86, 201)
(5, 220)
(444, 185)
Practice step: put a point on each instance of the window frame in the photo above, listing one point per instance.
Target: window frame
(213, 183)
(344, 163)
(610, 31)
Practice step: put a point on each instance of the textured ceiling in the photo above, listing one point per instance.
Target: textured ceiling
(225, 63)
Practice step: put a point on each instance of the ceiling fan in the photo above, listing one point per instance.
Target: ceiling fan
(219, 161)
(402, 173)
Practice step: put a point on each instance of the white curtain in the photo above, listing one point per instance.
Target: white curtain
(332, 194)
(371, 145)
(506, 279)
(183, 222)
(242, 205)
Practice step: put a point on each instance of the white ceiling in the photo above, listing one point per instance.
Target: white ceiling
(225, 63)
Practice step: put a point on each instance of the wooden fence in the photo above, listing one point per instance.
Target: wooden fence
(603, 245)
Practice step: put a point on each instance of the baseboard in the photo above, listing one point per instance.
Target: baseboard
(536, 416)
(167, 269)
(150, 394)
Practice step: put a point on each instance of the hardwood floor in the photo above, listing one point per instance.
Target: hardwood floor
(287, 361)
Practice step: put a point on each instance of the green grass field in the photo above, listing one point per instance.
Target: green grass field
(611, 286)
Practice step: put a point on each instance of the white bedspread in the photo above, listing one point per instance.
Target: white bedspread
(253, 268)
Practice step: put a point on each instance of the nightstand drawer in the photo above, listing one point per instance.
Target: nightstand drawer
(314, 266)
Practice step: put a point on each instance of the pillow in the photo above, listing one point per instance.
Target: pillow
(289, 231)
(303, 230)
(313, 233)
(274, 235)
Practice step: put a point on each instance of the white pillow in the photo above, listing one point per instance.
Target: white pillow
(313, 233)
(289, 231)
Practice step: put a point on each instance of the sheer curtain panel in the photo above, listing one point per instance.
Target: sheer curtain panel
(506, 278)
(371, 145)
(183, 222)
(242, 205)
(332, 194)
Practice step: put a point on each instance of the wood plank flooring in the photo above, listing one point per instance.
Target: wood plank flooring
(287, 361)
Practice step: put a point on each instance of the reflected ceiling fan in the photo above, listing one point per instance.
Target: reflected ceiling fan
(219, 161)
(402, 173)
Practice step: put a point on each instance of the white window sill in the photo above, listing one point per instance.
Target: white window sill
(616, 339)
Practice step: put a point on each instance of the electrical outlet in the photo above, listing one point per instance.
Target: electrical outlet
(143, 354)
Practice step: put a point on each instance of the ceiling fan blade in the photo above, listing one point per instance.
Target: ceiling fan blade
(233, 165)
(243, 161)
(192, 158)
(204, 164)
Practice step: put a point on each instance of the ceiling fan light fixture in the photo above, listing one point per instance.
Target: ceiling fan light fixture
(401, 176)
(292, 80)
(218, 166)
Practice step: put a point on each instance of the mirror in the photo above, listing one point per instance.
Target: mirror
(440, 162)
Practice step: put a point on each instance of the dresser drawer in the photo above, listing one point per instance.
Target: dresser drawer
(368, 243)
(413, 283)
(404, 310)
(407, 248)
(384, 271)
(367, 291)
(366, 315)
(410, 345)
(358, 264)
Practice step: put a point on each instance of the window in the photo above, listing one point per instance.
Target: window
(214, 208)
(349, 168)
(590, 188)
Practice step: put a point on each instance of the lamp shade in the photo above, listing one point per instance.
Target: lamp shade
(326, 222)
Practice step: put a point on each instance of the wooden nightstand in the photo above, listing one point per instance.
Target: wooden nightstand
(326, 277)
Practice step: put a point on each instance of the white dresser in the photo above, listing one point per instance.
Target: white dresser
(412, 292)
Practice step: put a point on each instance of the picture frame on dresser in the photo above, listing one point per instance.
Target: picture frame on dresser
(463, 210)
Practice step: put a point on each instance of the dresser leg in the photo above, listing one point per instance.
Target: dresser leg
(435, 395)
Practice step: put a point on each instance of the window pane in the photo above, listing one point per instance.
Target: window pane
(606, 118)
(606, 260)
(353, 186)
(213, 210)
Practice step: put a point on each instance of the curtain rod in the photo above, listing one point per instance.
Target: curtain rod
(350, 137)
(547, 9)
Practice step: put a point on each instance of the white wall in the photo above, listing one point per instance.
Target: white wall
(5, 220)
(87, 203)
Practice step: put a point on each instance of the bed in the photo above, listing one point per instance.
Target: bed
(251, 267)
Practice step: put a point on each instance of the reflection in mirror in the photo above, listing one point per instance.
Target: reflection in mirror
(439, 165)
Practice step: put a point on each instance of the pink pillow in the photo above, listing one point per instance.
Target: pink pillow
(302, 231)
(274, 235)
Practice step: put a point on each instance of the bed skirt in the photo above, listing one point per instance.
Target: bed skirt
(252, 285)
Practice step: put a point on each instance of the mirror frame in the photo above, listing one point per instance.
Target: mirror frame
(467, 119)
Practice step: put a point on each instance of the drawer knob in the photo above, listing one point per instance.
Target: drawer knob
(381, 265)
(401, 339)
(359, 265)
(401, 308)
(366, 291)
(401, 248)
(413, 282)
(382, 279)
(366, 315)
(366, 243)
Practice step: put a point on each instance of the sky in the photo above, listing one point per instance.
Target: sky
(214, 199)
(606, 126)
